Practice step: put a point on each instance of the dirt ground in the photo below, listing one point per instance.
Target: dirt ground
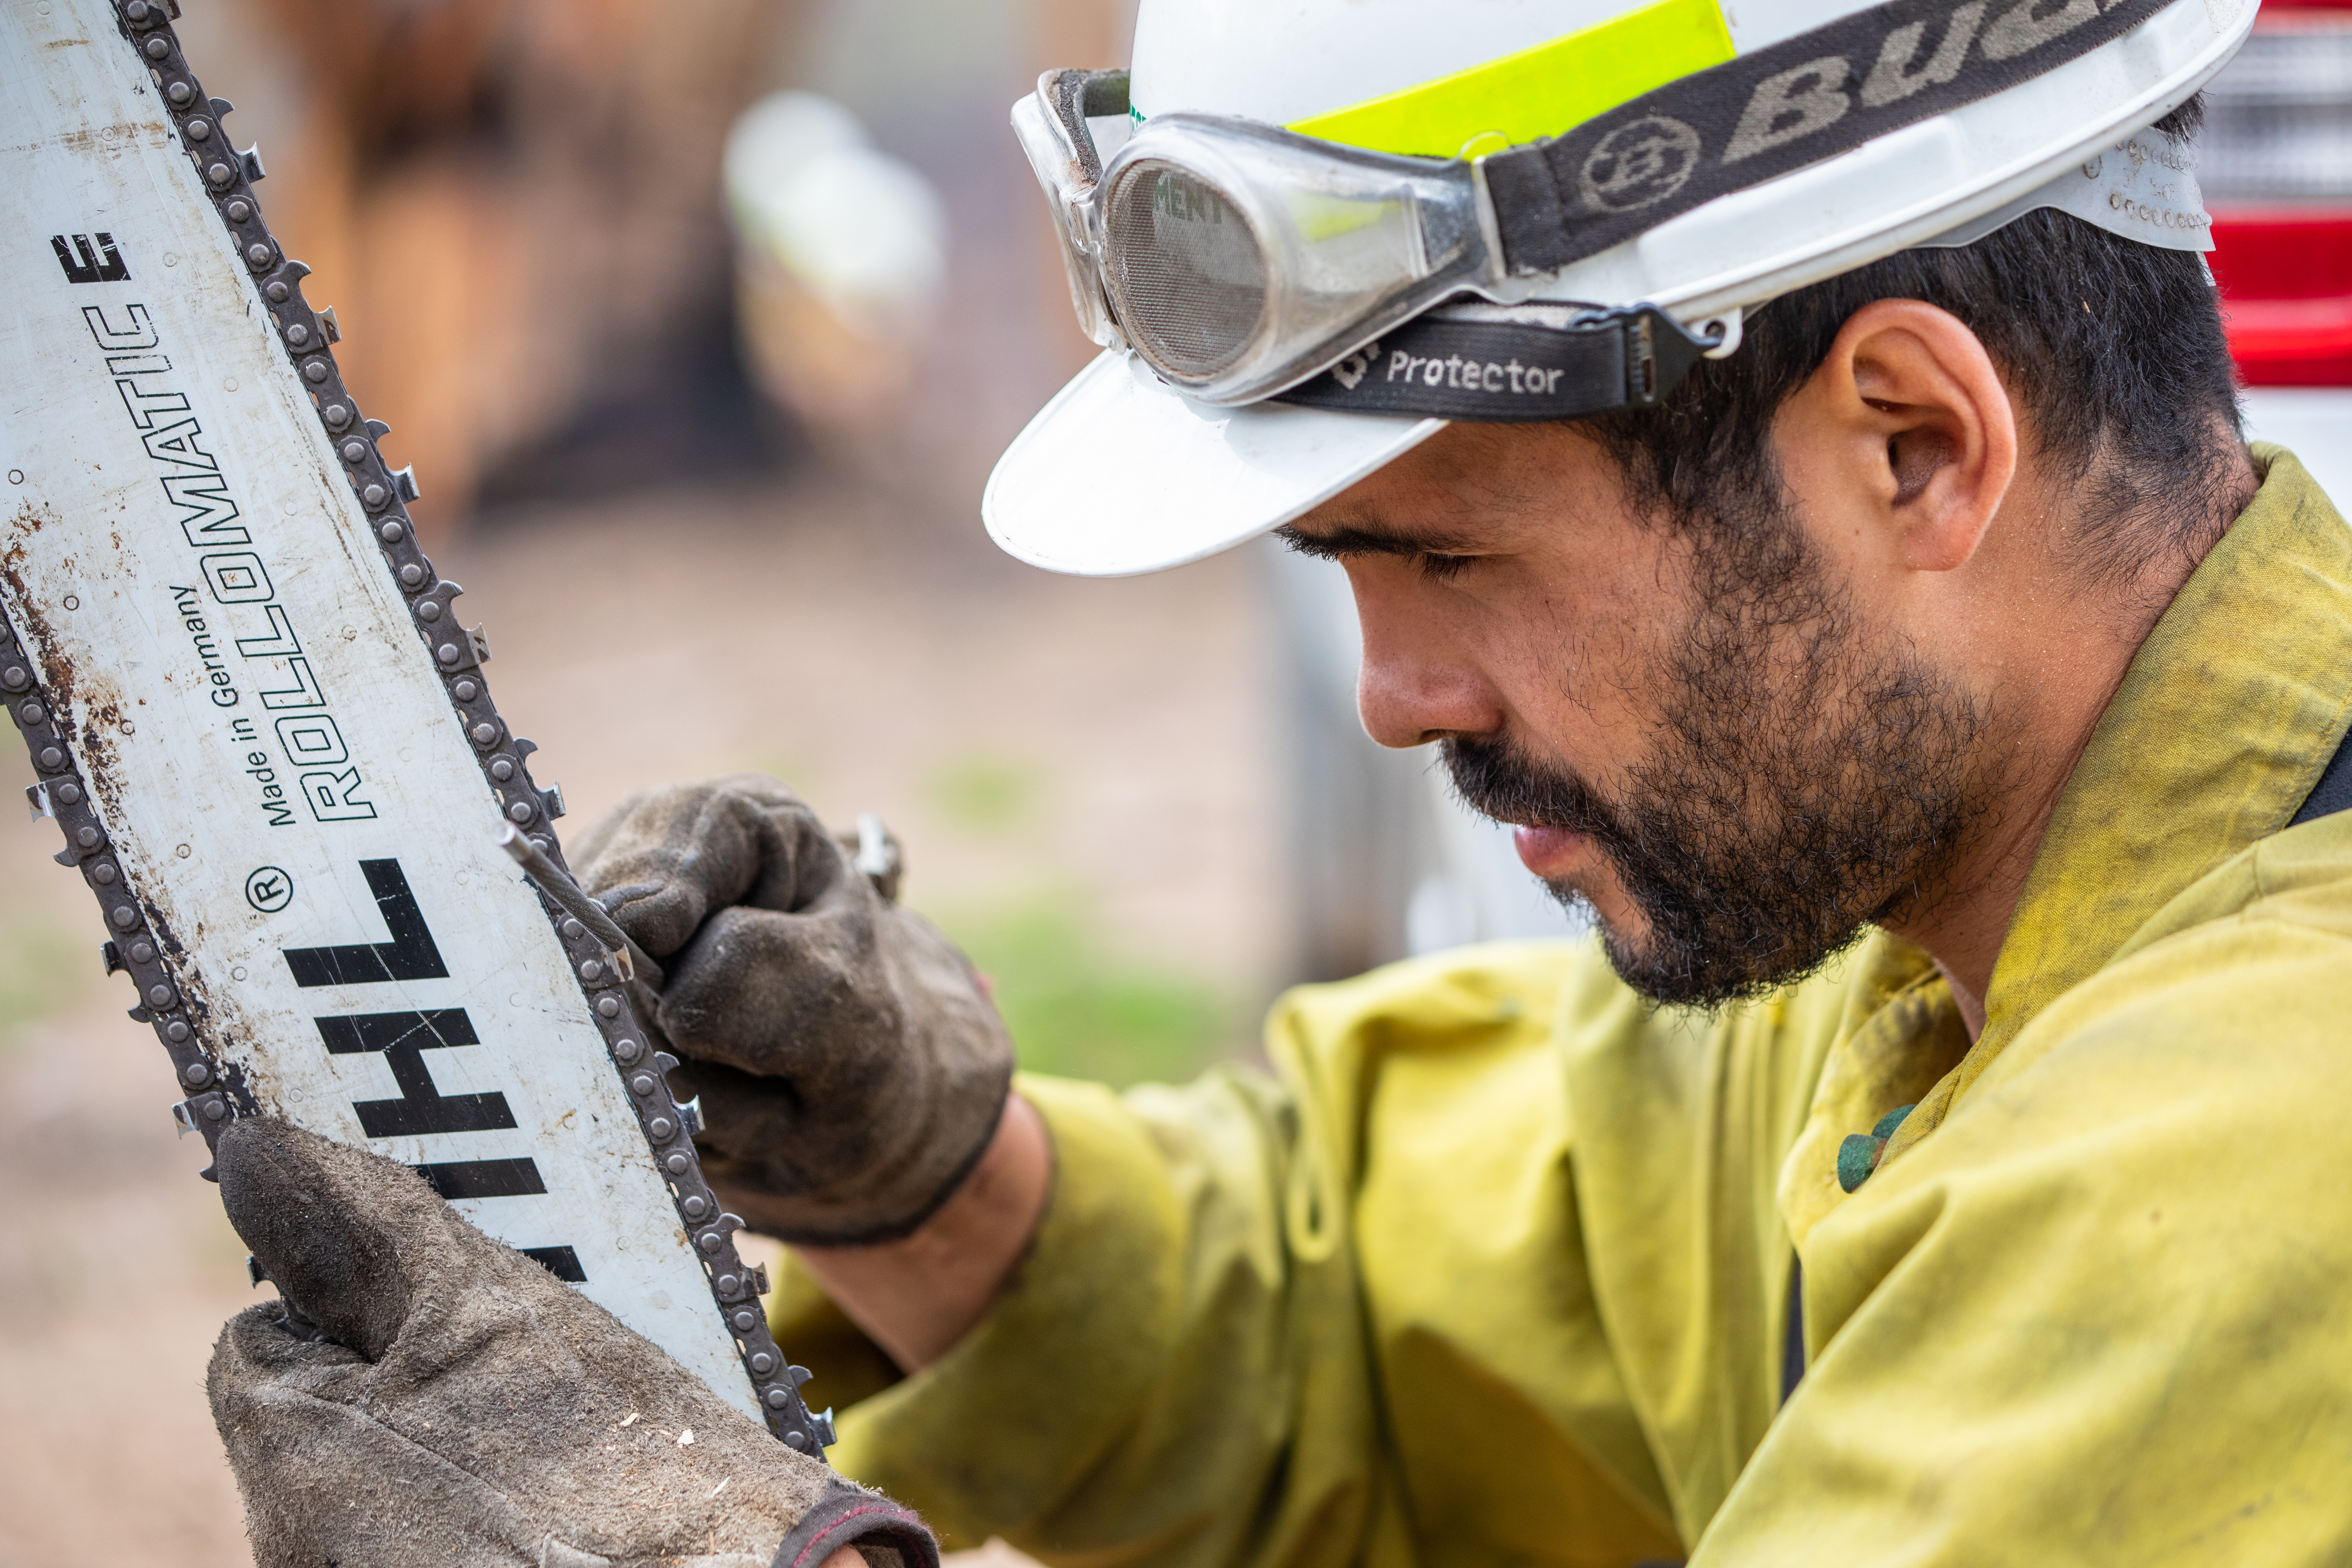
(1103, 752)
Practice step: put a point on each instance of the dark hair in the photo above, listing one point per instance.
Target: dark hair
(2114, 348)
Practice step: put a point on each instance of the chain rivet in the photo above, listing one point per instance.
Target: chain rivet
(466, 691)
(278, 292)
(135, 13)
(257, 256)
(447, 653)
(412, 574)
(485, 733)
(573, 930)
(195, 1074)
(176, 1032)
(215, 1110)
(52, 758)
(642, 1084)
(158, 47)
(32, 713)
(729, 1285)
(220, 174)
(694, 1207)
(745, 1321)
(430, 609)
(334, 413)
(777, 1399)
(660, 1129)
(159, 996)
(240, 210)
(521, 811)
(502, 770)
(198, 130)
(142, 953)
(70, 793)
(392, 534)
(180, 93)
(315, 370)
(101, 873)
(125, 917)
(87, 838)
(375, 496)
(763, 1363)
(298, 334)
(624, 1051)
(591, 971)
(678, 1164)
(15, 679)
(711, 1241)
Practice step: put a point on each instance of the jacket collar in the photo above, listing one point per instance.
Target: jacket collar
(2221, 728)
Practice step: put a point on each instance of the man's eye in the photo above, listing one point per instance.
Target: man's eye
(1442, 568)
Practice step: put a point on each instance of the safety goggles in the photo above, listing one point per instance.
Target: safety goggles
(1237, 259)
(1240, 261)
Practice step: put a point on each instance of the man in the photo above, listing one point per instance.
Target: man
(1936, 1158)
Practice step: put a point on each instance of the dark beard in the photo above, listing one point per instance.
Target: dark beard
(1802, 784)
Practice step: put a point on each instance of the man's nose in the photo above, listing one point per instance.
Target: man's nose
(1416, 683)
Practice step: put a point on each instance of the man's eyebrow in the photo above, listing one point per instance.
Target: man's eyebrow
(1354, 540)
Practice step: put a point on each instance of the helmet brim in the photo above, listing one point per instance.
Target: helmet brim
(1120, 474)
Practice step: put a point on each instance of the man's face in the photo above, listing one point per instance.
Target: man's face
(1696, 726)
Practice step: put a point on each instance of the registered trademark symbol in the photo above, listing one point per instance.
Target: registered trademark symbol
(270, 890)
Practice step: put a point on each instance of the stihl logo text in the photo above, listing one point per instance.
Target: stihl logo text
(401, 1039)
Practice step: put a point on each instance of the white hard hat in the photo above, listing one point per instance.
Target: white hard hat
(1797, 139)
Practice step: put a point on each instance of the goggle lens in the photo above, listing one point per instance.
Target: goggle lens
(1236, 259)
(1187, 276)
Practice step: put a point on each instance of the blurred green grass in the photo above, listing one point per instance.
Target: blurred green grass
(1079, 1003)
(1079, 1008)
(38, 975)
(984, 795)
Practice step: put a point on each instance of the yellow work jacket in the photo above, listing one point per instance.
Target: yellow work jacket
(1494, 1268)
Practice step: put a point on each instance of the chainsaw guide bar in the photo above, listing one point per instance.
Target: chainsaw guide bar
(270, 748)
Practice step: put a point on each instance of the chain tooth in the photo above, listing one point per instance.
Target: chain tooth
(133, 948)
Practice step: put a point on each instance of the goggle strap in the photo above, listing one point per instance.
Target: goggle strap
(1507, 373)
(1752, 119)
(1076, 96)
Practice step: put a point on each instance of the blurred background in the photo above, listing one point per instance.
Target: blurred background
(703, 321)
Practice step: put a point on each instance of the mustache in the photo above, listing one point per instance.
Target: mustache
(1496, 780)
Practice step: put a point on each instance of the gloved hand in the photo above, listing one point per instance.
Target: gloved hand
(851, 1068)
(423, 1395)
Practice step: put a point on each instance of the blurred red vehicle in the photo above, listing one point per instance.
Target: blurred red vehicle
(2275, 163)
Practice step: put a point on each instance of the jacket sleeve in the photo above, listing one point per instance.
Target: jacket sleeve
(1183, 1371)
(1174, 1375)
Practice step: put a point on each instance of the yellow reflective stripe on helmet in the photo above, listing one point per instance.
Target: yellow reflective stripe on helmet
(1537, 92)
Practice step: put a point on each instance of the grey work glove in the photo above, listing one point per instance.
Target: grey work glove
(851, 1068)
(423, 1395)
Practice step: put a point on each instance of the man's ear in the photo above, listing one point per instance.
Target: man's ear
(1905, 422)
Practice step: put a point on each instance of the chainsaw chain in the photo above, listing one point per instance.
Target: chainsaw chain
(142, 942)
